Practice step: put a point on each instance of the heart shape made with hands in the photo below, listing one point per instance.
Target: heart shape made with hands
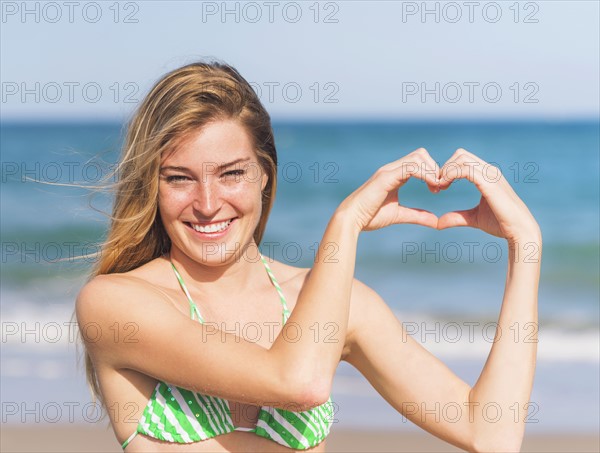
(480, 216)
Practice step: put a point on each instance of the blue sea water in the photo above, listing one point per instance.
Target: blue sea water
(426, 276)
(552, 167)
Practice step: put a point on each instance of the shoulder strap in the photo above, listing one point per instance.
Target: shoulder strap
(286, 312)
(194, 312)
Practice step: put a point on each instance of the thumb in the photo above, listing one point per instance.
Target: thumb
(416, 216)
(465, 218)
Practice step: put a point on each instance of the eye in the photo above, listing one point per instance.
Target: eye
(176, 178)
(234, 173)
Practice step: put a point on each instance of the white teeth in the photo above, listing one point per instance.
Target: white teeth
(213, 228)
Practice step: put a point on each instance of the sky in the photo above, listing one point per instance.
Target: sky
(379, 60)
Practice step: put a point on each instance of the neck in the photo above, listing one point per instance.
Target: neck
(238, 274)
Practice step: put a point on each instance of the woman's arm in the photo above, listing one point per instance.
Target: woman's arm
(419, 385)
(329, 284)
(170, 347)
(507, 377)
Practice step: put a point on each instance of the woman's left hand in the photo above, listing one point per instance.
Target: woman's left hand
(500, 211)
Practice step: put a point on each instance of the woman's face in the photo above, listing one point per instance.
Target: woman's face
(209, 194)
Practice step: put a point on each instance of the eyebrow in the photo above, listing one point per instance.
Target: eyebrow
(219, 168)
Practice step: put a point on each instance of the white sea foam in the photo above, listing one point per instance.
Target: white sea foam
(473, 339)
(35, 326)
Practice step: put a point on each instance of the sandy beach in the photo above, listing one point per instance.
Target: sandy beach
(62, 438)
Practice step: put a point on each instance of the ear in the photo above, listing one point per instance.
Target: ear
(265, 179)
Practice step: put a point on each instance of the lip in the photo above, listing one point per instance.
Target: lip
(215, 235)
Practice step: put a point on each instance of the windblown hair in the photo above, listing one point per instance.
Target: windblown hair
(183, 101)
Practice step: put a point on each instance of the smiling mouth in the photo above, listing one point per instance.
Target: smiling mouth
(216, 227)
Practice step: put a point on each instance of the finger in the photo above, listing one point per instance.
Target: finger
(464, 165)
(417, 216)
(417, 154)
(465, 218)
(456, 167)
(418, 164)
(430, 172)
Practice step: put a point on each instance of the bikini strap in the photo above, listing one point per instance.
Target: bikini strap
(194, 312)
(124, 444)
(286, 312)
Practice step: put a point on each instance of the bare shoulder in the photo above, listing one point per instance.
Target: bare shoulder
(116, 298)
(140, 279)
(365, 301)
(96, 292)
(368, 314)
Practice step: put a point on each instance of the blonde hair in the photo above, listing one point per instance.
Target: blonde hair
(184, 100)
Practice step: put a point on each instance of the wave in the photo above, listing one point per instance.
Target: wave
(36, 326)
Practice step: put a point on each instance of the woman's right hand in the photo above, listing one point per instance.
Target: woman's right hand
(375, 204)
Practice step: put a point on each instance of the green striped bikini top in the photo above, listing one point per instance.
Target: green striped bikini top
(175, 414)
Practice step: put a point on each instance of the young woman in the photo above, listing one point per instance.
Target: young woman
(181, 278)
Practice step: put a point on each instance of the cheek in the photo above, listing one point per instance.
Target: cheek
(170, 202)
(248, 195)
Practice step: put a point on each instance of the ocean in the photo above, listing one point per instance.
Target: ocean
(445, 286)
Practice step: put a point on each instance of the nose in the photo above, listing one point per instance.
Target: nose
(207, 200)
